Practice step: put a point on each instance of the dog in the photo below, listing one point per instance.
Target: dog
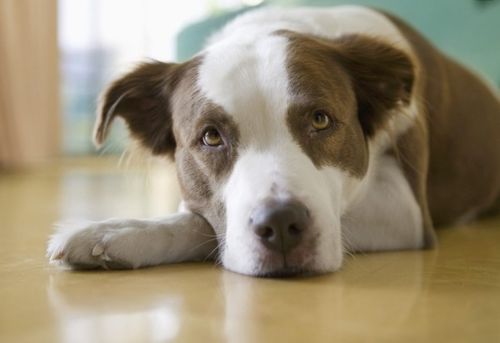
(300, 135)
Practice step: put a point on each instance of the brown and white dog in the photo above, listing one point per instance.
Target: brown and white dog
(300, 134)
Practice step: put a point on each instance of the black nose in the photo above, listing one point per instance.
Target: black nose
(280, 225)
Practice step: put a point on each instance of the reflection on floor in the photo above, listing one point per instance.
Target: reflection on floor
(448, 294)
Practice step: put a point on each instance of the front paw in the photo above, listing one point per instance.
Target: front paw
(92, 246)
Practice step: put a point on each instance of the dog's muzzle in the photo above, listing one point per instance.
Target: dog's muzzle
(281, 226)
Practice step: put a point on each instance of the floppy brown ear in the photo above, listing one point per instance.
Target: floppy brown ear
(142, 98)
(382, 76)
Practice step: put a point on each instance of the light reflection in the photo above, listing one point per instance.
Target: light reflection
(349, 303)
(156, 325)
(84, 317)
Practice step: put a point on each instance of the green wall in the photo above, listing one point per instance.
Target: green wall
(469, 30)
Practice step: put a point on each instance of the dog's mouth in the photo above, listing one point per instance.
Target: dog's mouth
(287, 272)
(297, 263)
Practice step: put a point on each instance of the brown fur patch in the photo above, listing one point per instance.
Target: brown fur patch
(142, 98)
(412, 153)
(462, 117)
(202, 170)
(358, 80)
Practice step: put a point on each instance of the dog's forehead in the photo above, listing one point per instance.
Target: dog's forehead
(249, 80)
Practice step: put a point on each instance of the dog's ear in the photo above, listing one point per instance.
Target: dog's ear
(142, 98)
(382, 77)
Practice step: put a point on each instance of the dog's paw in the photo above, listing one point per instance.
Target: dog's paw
(95, 245)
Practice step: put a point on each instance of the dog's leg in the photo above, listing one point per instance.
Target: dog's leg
(388, 217)
(132, 243)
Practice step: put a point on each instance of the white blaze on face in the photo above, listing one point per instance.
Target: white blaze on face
(281, 172)
(250, 81)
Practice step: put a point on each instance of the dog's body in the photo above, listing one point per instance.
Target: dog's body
(299, 134)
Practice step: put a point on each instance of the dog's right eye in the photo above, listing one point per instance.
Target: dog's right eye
(211, 137)
(320, 120)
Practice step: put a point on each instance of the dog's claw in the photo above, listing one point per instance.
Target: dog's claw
(105, 257)
(98, 250)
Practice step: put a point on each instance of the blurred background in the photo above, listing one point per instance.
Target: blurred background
(56, 56)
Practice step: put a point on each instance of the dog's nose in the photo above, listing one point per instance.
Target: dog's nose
(280, 225)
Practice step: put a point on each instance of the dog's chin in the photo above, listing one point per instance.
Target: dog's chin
(276, 270)
(288, 272)
(273, 265)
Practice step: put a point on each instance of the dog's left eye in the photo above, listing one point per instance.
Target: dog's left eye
(320, 120)
(212, 137)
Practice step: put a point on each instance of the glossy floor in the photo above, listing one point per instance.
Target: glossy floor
(448, 294)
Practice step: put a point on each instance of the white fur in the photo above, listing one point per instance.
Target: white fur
(244, 71)
(282, 172)
(385, 215)
(323, 21)
(270, 163)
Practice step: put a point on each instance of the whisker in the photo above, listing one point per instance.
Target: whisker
(218, 249)
(207, 258)
(203, 243)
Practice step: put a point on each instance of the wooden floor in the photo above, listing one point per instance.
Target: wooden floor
(451, 294)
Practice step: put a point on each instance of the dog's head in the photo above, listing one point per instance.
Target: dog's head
(270, 138)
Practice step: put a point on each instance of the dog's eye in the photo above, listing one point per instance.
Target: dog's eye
(320, 120)
(212, 137)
